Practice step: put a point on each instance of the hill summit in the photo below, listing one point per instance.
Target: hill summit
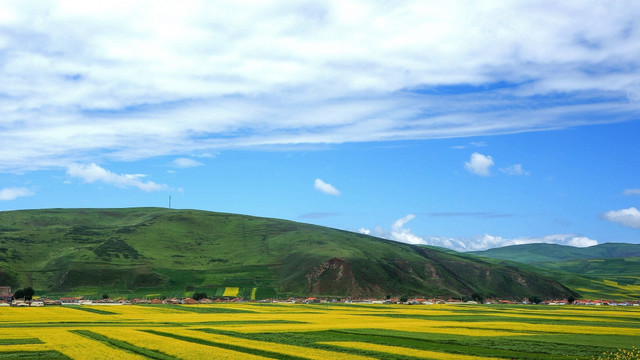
(143, 251)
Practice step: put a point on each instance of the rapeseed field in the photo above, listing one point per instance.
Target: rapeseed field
(319, 331)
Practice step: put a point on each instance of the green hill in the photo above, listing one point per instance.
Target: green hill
(157, 251)
(542, 253)
(601, 271)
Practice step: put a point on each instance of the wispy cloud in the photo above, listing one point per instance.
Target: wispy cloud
(184, 163)
(626, 217)
(632, 192)
(93, 173)
(479, 164)
(472, 144)
(14, 193)
(516, 170)
(192, 77)
(325, 187)
(400, 233)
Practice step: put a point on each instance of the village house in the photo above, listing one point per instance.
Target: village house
(69, 301)
(6, 294)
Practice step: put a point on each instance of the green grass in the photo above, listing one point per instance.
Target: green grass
(33, 355)
(222, 309)
(20, 341)
(92, 310)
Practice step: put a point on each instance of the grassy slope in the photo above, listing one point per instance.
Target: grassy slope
(606, 270)
(161, 251)
(541, 253)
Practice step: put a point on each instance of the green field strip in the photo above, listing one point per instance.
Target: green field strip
(33, 355)
(204, 309)
(91, 323)
(246, 322)
(122, 345)
(247, 350)
(604, 342)
(92, 310)
(601, 322)
(25, 341)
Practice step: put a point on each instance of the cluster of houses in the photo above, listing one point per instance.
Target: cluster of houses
(434, 301)
(6, 299)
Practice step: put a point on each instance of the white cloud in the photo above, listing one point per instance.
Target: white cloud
(626, 217)
(479, 164)
(184, 163)
(632, 192)
(401, 234)
(14, 193)
(147, 78)
(93, 173)
(515, 170)
(325, 188)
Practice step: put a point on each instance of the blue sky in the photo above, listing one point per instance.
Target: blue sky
(457, 125)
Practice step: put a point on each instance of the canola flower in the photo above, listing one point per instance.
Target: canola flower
(79, 347)
(178, 348)
(231, 291)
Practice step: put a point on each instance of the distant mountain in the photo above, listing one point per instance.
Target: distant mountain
(156, 251)
(602, 271)
(541, 253)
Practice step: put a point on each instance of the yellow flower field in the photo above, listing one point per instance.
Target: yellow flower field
(231, 291)
(322, 331)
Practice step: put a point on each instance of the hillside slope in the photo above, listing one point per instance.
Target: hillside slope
(541, 253)
(170, 252)
(601, 271)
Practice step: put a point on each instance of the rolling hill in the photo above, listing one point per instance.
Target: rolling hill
(157, 251)
(545, 253)
(601, 271)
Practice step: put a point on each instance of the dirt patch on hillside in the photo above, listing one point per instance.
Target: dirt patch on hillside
(332, 277)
